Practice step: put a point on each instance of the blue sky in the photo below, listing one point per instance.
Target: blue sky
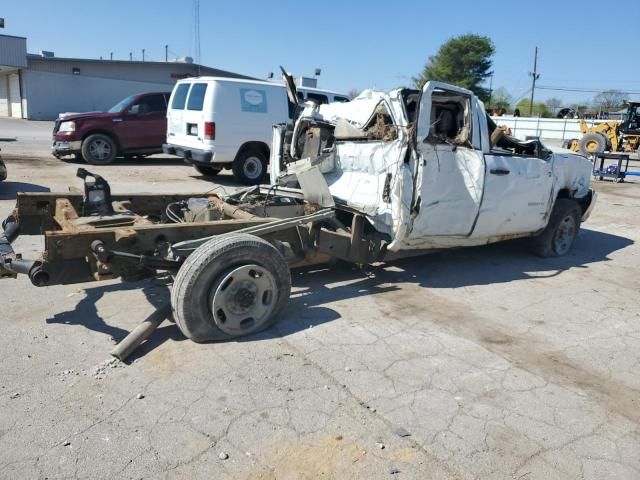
(357, 44)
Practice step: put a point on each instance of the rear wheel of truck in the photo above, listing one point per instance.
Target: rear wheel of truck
(250, 167)
(592, 143)
(98, 149)
(207, 171)
(233, 285)
(561, 232)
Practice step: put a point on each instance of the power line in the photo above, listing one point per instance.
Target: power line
(587, 90)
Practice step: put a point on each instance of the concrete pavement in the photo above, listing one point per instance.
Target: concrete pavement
(478, 363)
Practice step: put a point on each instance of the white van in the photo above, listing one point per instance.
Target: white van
(216, 123)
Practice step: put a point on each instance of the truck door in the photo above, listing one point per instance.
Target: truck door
(450, 173)
(518, 186)
(144, 124)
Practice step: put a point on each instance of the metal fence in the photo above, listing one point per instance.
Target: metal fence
(557, 128)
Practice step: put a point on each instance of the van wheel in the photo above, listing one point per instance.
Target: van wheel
(207, 171)
(561, 231)
(233, 285)
(98, 149)
(250, 167)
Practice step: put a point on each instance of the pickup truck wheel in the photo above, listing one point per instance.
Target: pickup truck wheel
(233, 285)
(98, 149)
(207, 171)
(250, 167)
(558, 237)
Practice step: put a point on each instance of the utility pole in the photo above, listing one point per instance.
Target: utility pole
(131, 56)
(110, 55)
(143, 54)
(534, 76)
(166, 53)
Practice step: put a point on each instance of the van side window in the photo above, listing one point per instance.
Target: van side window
(196, 96)
(317, 98)
(180, 97)
(338, 99)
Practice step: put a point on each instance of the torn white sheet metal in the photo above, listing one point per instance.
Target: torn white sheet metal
(314, 187)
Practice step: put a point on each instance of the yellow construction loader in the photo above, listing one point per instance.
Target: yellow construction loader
(611, 136)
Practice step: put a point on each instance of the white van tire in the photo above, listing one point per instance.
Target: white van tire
(250, 167)
(207, 171)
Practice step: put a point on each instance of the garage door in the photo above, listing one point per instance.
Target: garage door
(4, 96)
(15, 101)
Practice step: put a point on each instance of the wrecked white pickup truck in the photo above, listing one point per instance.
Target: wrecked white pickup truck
(429, 169)
(384, 176)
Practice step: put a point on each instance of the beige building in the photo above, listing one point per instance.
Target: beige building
(41, 86)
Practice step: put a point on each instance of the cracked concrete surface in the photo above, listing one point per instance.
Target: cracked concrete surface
(479, 363)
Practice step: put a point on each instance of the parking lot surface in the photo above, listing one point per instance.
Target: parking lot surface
(479, 363)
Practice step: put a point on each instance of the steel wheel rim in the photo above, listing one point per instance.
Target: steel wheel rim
(242, 299)
(252, 167)
(100, 149)
(592, 146)
(565, 234)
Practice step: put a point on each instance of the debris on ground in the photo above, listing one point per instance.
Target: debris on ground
(223, 455)
(100, 370)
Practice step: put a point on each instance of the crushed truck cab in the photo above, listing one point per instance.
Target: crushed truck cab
(429, 169)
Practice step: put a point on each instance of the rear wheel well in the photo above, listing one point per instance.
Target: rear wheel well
(105, 133)
(253, 146)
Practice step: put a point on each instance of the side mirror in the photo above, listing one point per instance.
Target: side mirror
(134, 110)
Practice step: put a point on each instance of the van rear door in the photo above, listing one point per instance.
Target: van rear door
(186, 118)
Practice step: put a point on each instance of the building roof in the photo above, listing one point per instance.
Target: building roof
(216, 71)
(12, 36)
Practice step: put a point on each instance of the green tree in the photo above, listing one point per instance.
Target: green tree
(500, 98)
(539, 109)
(464, 61)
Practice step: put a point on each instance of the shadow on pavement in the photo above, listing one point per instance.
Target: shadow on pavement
(85, 313)
(155, 160)
(315, 287)
(491, 264)
(9, 189)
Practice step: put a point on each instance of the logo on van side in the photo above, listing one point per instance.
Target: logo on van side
(252, 100)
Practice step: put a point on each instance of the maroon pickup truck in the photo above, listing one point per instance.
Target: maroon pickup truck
(135, 126)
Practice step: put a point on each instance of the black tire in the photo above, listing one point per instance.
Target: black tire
(207, 171)
(592, 143)
(553, 242)
(567, 143)
(199, 281)
(250, 167)
(99, 149)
